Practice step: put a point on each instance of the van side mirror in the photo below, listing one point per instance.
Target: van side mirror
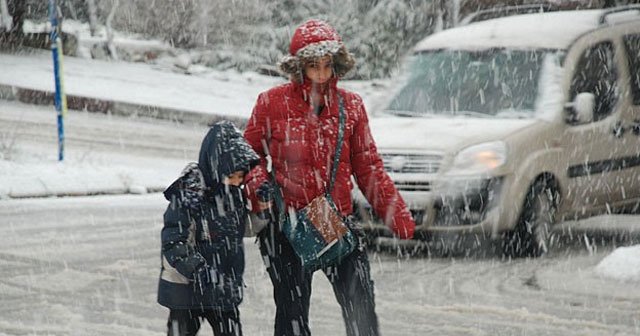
(582, 108)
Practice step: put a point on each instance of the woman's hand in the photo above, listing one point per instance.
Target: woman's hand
(265, 195)
(262, 206)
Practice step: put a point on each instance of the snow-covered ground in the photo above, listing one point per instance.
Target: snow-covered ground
(88, 265)
(217, 93)
(103, 154)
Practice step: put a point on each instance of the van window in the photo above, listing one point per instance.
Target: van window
(596, 73)
(479, 83)
(632, 44)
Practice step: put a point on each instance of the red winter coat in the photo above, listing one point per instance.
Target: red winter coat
(302, 147)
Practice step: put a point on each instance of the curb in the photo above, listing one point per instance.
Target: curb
(90, 104)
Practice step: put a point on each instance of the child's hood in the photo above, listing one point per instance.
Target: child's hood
(224, 151)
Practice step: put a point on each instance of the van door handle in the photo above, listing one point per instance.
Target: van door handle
(635, 127)
(618, 129)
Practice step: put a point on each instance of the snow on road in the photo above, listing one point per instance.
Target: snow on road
(89, 266)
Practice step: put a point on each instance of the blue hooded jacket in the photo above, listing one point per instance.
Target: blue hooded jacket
(204, 226)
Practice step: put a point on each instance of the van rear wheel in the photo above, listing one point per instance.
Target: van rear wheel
(530, 238)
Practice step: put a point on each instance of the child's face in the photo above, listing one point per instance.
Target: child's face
(320, 70)
(235, 179)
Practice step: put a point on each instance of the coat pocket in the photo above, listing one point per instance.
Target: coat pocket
(170, 274)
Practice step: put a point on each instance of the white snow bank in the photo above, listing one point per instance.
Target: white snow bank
(622, 264)
(51, 178)
(217, 93)
(102, 154)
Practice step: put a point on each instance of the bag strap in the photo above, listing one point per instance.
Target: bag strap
(336, 159)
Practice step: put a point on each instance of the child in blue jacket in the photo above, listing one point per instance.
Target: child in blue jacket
(202, 249)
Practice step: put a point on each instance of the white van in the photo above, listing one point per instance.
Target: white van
(501, 127)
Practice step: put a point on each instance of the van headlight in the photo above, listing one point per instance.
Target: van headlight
(478, 159)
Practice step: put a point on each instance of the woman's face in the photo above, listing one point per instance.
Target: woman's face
(320, 70)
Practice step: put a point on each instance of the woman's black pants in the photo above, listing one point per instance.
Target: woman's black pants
(351, 281)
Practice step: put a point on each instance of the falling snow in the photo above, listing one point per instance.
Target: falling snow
(88, 263)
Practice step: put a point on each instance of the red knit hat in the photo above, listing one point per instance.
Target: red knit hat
(313, 39)
(315, 34)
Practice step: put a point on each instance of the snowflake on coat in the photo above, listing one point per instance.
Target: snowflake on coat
(193, 187)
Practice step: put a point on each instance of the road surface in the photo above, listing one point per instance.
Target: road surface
(89, 266)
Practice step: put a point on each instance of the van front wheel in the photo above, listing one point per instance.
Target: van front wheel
(530, 238)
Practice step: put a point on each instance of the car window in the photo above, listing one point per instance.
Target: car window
(596, 73)
(478, 83)
(632, 45)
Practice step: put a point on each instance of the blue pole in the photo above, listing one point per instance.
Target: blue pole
(59, 97)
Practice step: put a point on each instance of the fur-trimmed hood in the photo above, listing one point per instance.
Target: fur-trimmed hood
(311, 40)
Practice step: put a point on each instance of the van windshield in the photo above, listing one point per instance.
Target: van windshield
(486, 83)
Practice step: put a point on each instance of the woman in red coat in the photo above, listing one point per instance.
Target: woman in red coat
(296, 126)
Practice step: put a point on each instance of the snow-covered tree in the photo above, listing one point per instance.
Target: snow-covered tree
(254, 34)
